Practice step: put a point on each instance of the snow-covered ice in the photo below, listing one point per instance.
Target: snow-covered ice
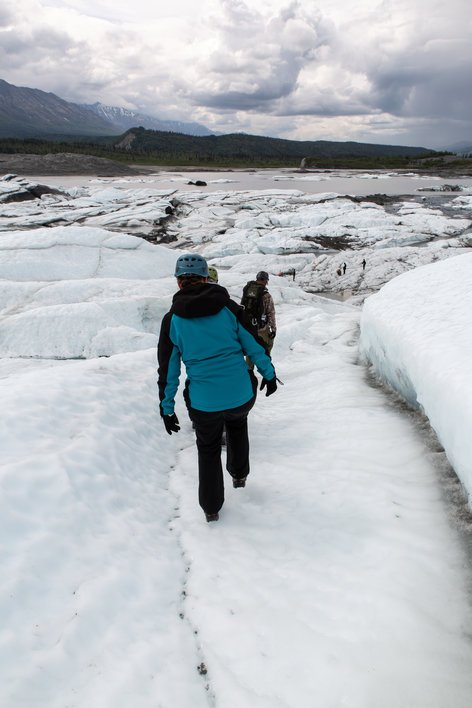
(417, 333)
(338, 577)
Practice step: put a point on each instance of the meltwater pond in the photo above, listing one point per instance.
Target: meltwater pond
(339, 181)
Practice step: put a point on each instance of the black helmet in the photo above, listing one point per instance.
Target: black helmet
(262, 275)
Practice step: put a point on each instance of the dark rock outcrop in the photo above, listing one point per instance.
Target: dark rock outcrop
(198, 183)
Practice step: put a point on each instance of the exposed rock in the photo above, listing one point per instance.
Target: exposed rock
(161, 237)
(380, 199)
(442, 188)
(333, 243)
(127, 142)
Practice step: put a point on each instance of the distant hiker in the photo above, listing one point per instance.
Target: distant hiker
(338, 272)
(205, 330)
(344, 268)
(260, 310)
(292, 273)
(364, 264)
(212, 274)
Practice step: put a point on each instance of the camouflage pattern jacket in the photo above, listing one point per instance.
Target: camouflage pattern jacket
(269, 310)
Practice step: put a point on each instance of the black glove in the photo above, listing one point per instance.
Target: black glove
(271, 386)
(172, 423)
(272, 334)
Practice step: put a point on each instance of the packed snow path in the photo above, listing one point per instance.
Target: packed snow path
(334, 579)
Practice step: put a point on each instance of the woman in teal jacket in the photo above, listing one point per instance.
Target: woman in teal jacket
(206, 331)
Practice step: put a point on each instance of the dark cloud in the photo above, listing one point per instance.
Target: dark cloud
(6, 16)
(261, 97)
(79, 70)
(258, 59)
(395, 68)
(414, 58)
(41, 49)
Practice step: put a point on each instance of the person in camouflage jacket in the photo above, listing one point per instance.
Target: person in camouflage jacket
(269, 329)
(265, 322)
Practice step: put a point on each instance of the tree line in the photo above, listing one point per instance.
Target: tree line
(141, 146)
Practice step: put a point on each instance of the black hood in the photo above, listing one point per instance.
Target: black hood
(199, 300)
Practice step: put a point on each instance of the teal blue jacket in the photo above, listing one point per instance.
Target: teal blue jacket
(206, 331)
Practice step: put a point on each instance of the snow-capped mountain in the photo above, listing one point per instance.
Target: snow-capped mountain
(27, 112)
(125, 119)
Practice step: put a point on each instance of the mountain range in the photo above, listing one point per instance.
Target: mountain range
(460, 148)
(124, 119)
(32, 113)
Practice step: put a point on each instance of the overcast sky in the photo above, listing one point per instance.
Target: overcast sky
(397, 71)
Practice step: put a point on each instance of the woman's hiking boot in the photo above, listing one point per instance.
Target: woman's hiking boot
(239, 482)
(212, 517)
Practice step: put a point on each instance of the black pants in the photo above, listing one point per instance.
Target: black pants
(209, 429)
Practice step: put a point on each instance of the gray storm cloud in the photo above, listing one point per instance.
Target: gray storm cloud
(259, 59)
(387, 63)
(300, 63)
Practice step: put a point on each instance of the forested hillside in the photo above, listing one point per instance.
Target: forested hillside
(235, 150)
(239, 146)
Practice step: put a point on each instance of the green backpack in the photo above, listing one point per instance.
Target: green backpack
(252, 301)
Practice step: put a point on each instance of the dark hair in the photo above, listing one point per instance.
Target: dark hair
(186, 280)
